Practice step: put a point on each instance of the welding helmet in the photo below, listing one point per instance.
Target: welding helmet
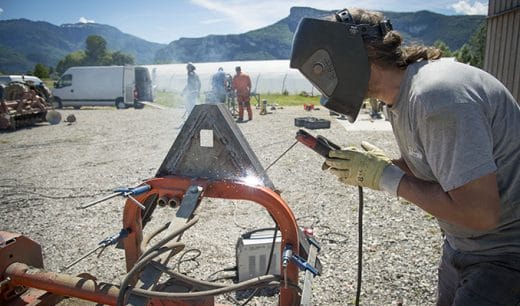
(190, 66)
(332, 56)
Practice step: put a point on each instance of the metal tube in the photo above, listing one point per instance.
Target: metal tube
(162, 201)
(62, 284)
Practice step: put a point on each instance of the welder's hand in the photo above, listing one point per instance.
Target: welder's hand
(355, 167)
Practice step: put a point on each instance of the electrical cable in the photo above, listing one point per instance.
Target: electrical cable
(201, 284)
(231, 269)
(360, 245)
(182, 260)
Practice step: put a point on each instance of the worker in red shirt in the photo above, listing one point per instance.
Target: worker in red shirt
(242, 85)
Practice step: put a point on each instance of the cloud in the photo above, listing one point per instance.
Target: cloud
(1, 11)
(213, 21)
(465, 8)
(247, 15)
(85, 20)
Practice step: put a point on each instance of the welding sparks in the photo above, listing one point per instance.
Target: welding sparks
(252, 180)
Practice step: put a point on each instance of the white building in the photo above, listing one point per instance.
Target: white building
(272, 76)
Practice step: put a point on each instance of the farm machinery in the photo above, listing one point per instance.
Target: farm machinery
(24, 104)
(187, 175)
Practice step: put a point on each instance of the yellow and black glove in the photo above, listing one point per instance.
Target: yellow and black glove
(364, 168)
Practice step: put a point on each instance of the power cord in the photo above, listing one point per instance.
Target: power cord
(360, 245)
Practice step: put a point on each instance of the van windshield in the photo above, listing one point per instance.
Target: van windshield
(65, 80)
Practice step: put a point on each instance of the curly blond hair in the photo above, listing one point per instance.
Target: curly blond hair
(389, 51)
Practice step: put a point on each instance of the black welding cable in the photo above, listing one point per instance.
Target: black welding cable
(360, 245)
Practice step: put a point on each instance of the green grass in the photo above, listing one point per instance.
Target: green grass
(290, 100)
(170, 99)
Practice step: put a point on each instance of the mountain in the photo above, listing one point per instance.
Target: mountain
(24, 43)
(274, 41)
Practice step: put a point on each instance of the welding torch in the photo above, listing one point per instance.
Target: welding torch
(111, 240)
(125, 192)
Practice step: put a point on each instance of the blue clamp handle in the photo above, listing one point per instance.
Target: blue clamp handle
(114, 238)
(133, 191)
(303, 265)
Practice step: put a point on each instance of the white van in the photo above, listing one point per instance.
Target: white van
(119, 86)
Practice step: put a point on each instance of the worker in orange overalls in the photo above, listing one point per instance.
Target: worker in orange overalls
(242, 85)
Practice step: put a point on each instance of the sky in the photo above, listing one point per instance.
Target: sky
(163, 21)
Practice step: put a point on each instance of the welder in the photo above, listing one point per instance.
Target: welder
(191, 91)
(456, 127)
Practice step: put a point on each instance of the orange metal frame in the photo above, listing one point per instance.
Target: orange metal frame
(173, 186)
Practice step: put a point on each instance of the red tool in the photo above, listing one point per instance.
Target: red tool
(319, 144)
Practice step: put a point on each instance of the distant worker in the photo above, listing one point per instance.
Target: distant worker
(192, 89)
(242, 85)
(218, 86)
(375, 106)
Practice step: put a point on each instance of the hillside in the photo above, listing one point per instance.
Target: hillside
(274, 41)
(24, 43)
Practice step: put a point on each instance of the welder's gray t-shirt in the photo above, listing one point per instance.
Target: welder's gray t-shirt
(455, 123)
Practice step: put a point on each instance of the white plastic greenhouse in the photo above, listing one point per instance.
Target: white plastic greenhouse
(272, 76)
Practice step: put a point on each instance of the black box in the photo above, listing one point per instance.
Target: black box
(312, 123)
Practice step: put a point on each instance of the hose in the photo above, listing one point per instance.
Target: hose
(262, 281)
(145, 260)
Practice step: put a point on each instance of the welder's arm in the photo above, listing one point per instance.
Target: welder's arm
(475, 205)
(401, 163)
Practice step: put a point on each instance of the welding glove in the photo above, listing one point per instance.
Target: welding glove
(365, 168)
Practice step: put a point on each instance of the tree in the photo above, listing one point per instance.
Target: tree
(473, 51)
(445, 50)
(478, 45)
(96, 50)
(41, 71)
(95, 54)
(463, 55)
(73, 59)
(120, 58)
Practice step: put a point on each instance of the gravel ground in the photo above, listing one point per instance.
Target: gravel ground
(48, 171)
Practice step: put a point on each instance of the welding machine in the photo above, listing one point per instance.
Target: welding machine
(253, 250)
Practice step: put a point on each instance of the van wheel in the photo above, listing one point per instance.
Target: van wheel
(120, 103)
(56, 103)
